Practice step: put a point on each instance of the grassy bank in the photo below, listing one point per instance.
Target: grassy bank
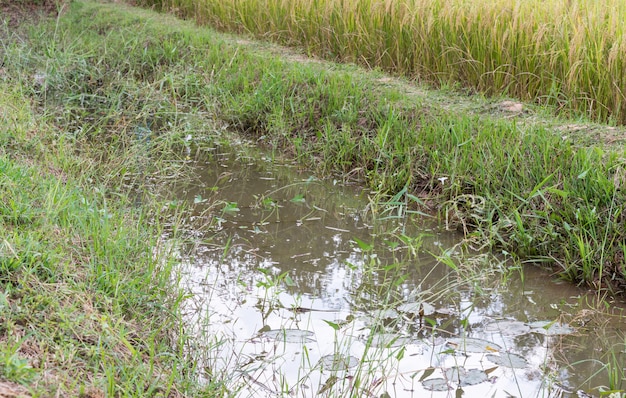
(508, 184)
(563, 53)
(89, 304)
(96, 107)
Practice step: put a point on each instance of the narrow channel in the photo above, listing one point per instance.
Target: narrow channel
(303, 288)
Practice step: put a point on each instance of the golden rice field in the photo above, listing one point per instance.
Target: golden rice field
(567, 53)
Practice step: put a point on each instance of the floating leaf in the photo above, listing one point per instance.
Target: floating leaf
(289, 335)
(472, 345)
(389, 340)
(508, 328)
(338, 362)
(447, 311)
(384, 314)
(436, 385)
(416, 308)
(509, 360)
(464, 377)
(550, 328)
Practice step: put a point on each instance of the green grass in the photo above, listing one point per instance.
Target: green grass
(97, 109)
(565, 53)
(84, 298)
(536, 195)
(88, 291)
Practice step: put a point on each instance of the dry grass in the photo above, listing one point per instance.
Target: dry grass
(565, 53)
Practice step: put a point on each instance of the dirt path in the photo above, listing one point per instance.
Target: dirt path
(581, 134)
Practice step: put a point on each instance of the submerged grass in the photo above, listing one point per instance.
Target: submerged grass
(560, 52)
(97, 109)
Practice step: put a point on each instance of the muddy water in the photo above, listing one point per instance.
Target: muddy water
(301, 288)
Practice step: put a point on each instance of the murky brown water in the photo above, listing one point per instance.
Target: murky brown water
(294, 302)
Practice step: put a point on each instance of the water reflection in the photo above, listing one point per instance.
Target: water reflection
(289, 252)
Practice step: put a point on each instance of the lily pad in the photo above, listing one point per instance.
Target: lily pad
(465, 377)
(417, 308)
(550, 328)
(384, 314)
(389, 340)
(436, 385)
(289, 335)
(508, 360)
(508, 328)
(472, 345)
(338, 362)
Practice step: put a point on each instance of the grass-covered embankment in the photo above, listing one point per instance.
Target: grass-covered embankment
(94, 105)
(511, 184)
(558, 52)
(89, 304)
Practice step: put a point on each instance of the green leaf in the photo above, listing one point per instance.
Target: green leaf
(198, 199)
(299, 198)
(230, 207)
(400, 353)
(392, 245)
(288, 281)
(414, 199)
(427, 373)
(332, 324)
(364, 246)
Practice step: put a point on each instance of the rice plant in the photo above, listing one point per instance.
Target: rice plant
(561, 52)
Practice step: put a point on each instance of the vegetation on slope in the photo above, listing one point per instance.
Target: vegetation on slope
(89, 302)
(560, 52)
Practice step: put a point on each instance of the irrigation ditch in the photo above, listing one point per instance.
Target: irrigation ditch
(187, 213)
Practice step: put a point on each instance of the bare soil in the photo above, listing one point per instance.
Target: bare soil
(15, 12)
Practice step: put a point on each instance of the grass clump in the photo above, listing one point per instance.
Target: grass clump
(84, 296)
(561, 52)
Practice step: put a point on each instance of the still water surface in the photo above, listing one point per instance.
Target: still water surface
(299, 290)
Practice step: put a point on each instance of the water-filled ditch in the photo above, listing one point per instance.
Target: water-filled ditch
(303, 288)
